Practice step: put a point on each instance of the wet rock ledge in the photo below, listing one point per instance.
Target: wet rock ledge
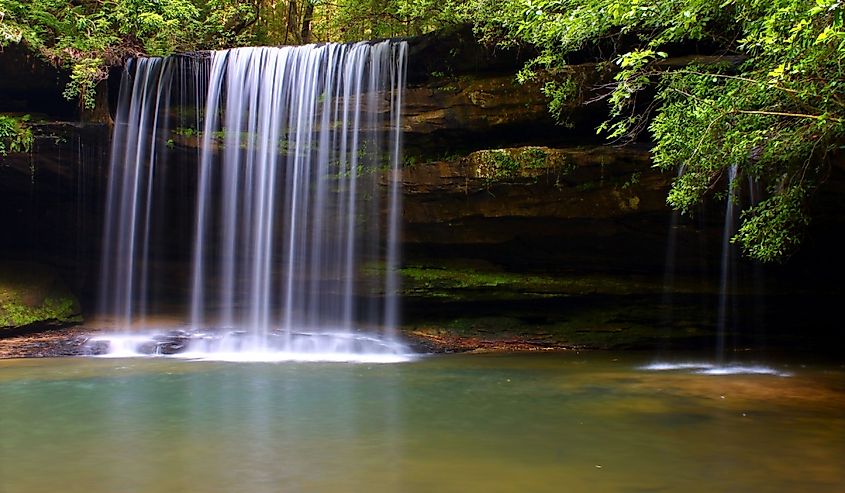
(45, 344)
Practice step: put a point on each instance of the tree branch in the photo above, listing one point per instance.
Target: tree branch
(791, 115)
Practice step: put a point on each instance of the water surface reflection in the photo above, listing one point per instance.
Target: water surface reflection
(562, 422)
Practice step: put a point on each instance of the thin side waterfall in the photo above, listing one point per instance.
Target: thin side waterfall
(755, 195)
(669, 267)
(726, 271)
(296, 219)
(727, 290)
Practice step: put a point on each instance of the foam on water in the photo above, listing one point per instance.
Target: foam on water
(283, 356)
(240, 346)
(704, 368)
(744, 370)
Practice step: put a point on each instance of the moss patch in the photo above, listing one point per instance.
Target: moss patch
(33, 295)
(466, 283)
(477, 307)
(504, 165)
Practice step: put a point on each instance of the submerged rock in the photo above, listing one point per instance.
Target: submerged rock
(95, 348)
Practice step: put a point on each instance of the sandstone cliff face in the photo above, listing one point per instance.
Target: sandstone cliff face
(492, 187)
(512, 225)
(561, 183)
(593, 199)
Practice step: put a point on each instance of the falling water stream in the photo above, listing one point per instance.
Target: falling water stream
(727, 272)
(726, 314)
(296, 217)
(670, 267)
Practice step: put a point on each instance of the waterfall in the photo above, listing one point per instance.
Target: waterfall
(297, 207)
(728, 310)
(727, 271)
(669, 266)
(144, 99)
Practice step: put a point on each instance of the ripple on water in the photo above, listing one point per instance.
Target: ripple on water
(704, 368)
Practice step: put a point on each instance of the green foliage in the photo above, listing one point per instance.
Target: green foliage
(502, 165)
(632, 181)
(353, 20)
(89, 36)
(516, 164)
(772, 229)
(15, 134)
(17, 314)
(86, 37)
(31, 294)
(559, 94)
(84, 75)
(773, 105)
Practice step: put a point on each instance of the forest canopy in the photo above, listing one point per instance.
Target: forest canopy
(769, 102)
(88, 36)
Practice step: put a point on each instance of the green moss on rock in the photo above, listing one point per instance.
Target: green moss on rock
(520, 163)
(467, 283)
(32, 295)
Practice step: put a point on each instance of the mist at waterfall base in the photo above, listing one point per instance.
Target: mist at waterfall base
(293, 236)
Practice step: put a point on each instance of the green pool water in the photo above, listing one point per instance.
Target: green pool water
(563, 422)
